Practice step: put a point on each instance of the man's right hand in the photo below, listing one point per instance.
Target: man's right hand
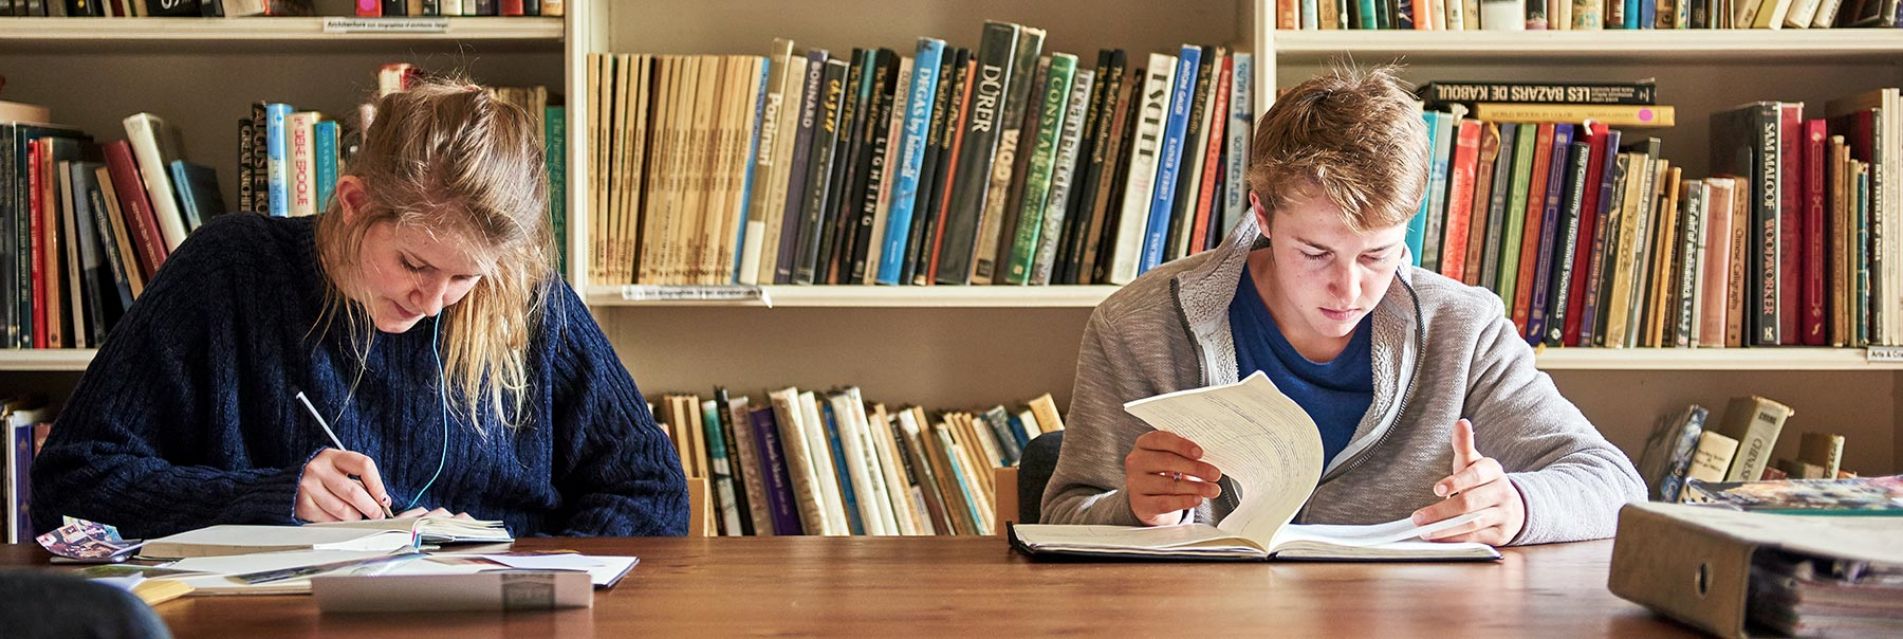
(1163, 477)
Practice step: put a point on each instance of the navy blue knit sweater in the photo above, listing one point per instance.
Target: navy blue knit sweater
(188, 417)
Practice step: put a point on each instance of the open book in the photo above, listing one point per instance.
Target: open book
(1272, 451)
(375, 535)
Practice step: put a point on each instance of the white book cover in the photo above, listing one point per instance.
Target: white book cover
(1272, 451)
(819, 450)
(765, 160)
(155, 145)
(858, 469)
(301, 127)
(807, 495)
(1127, 245)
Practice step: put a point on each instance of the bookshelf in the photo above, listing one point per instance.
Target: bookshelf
(966, 346)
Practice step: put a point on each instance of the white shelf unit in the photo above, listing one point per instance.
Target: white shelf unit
(63, 360)
(855, 296)
(967, 346)
(328, 29)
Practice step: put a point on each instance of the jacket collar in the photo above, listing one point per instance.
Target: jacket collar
(1203, 295)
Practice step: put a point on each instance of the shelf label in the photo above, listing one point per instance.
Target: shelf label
(1883, 354)
(386, 25)
(650, 293)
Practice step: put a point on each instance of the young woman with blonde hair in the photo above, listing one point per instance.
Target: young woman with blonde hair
(420, 316)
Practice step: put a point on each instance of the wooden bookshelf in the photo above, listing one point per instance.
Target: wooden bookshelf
(110, 31)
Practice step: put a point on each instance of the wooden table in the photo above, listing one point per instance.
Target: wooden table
(977, 586)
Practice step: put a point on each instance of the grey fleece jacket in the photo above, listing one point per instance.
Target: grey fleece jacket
(1442, 350)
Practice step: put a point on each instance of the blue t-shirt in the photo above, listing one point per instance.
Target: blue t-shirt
(1336, 394)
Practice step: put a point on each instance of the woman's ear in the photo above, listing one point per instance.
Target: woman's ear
(351, 196)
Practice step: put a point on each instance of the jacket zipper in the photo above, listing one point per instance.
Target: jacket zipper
(1202, 372)
(1420, 337)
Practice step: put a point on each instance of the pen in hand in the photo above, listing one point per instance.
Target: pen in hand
(333, 440)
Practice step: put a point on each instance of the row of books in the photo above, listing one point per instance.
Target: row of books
(24, 423)
(1684, 450)
(832, 463)
(1000, 165)
(239, 8)
(1583, 15)
(84, 225)
(1592, 238)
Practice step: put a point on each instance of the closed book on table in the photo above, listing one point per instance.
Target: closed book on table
(1726, 572)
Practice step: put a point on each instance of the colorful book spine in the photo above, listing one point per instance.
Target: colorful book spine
(1416, 238)
(1439, 164)
(1063, 176)
(1043, 159)
(1170, 159)
(324, 148)
(279, 167)
(1550, 234)
(748, 223)
(997, 52)
(898, 221)
(1130, 238)
(1462, 174)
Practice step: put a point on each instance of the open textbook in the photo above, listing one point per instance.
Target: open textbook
(1272, 451)
(376, 535)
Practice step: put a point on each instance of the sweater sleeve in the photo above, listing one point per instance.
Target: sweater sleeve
(1571, 479)
(1087, 485)
(617, 472)
(134, 445)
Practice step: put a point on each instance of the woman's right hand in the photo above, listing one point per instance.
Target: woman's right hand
(1163, 476)
(328, 493)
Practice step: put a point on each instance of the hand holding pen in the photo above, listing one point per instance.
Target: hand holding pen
(339, 485)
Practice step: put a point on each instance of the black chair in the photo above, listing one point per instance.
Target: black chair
(39, 604)
(1034, 472)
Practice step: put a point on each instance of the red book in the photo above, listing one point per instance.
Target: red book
(1815, 318)
(1212, 158)
(1535, 214)
(369, 8)
(1588, 224)
(511, 7)
(35, 232)
(1460, 195)
(133, 203)
(1790, 222)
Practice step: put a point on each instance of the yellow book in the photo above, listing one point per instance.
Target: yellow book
(1620, 115)
(1712, 459)
(1048, 419)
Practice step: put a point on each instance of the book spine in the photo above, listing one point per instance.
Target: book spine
(1129, 254)
(1169, 160)
(1513, 236)
(1791, 216)
(1691, 238)
(721, 469)
(745, 219)
(277, 141)
(1605, 233)
(886, 85)
(780, 179)
(86, 184)
(919, 107)
(152, 144)
(994, 222)
(1416, 237)
(1461, 178)
(799, 173)
(820, 178)
(1551, 236)
(773, 470)
(132, 201)
(979, 147)
(1566, 248)
(1083, 180)
(1064, 176)
(1589, 219)
(1477, 229)
(1611, 114)
(324, 150)
(246, 200)
(1815, 292)
(954, 151)
(1240, 129)
(1766, 182)
(1190, 166)
(935, 166)
(1439, 164)
(1497, 206)
(299, 127)
(762, 167)
(1672, 481)
(1043, 159)
(1113, 159)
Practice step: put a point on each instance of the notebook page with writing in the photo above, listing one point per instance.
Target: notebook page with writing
(1253, 433)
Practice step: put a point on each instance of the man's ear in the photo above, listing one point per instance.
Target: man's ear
(351, 196)
(1261, 214)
